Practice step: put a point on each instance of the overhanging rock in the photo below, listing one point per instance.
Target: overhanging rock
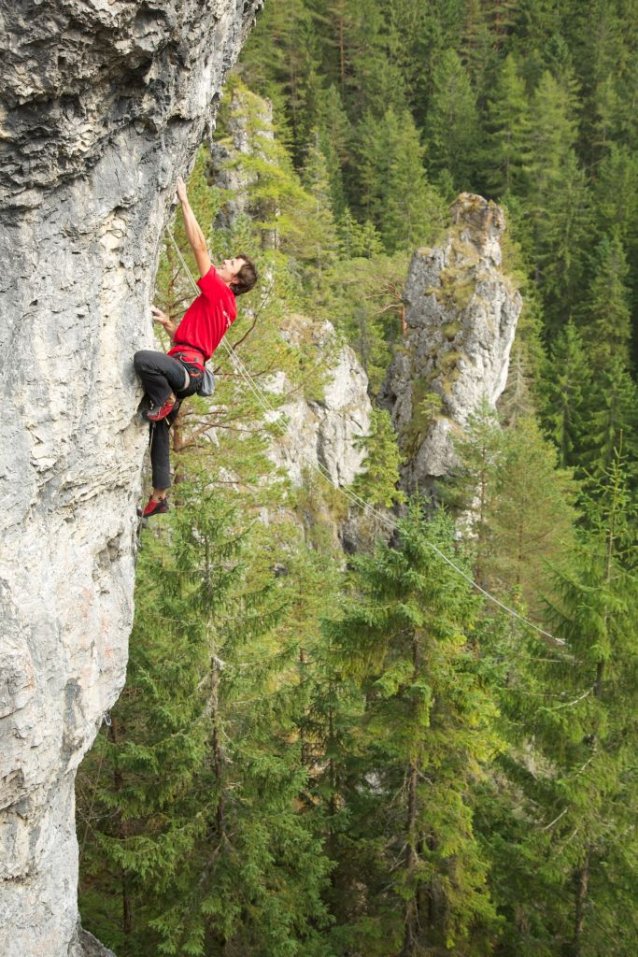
(103, 104)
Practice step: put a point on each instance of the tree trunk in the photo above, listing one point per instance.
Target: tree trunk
(118, 780)
(411, 921)
(582, 882)
(411, 908)
(217, 750)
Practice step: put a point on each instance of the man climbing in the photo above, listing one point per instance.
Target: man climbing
(169, 378)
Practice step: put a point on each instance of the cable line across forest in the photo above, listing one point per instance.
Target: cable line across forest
(351, 496)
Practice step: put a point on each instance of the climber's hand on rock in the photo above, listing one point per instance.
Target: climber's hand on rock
(162, 318)
(181, 190)
(159, 316)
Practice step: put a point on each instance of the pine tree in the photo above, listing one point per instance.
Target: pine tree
(196, 807)
(576, 769)
(531, 514)
(452, 124)
(335, 136)
(477, 49)
(558, 198)
(611, 422)
(397, 197)
(508, 126)
(567, 394)
(608, 328)
(410, 210)
(321, 235)
(472, 487)
(404, 633)
(377, 484)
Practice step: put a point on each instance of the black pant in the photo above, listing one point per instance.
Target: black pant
(161, 375)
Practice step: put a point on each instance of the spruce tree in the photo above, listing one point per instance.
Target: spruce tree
(508, 126)
(404, 634)
(567, 394)
(532, 513)
(611, 422)
(396, 194)
(472, 487)
(573, 706)
(377, 484)
(196, 808)
(608, 316)
(321, 229)
(452, 123)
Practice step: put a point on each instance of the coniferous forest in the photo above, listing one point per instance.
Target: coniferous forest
(354, 753)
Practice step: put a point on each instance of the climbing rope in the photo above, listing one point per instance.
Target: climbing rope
(347, 493)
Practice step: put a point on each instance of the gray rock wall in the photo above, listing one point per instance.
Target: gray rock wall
(323, 433)
(103, 103)
(461, 313)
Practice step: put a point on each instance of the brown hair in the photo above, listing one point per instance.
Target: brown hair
(246, 277)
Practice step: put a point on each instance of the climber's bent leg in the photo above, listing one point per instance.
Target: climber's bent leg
(160, 374)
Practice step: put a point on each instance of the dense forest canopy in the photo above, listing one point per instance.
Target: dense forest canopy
(347, 758)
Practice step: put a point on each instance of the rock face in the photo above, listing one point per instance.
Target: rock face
(461, 316)
(322, 433)
(103, 104)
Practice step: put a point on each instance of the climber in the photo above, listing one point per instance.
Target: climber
(169, 378)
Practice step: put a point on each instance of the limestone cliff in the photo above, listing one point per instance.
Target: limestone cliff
(322, 433)
(103, 104)
(461, 313)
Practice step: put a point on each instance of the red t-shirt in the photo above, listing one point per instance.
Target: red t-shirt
(208, 317)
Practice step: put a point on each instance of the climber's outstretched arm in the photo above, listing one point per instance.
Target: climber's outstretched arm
(194, 233)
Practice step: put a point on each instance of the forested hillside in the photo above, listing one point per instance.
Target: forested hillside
(360, 755)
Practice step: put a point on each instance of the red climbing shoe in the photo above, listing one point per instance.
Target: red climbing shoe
(156, 414)
(153, 507)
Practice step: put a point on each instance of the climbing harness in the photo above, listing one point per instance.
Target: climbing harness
(347, 493)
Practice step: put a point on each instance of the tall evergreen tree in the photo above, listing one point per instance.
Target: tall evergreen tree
(196, 802)
(608, 328)
(568, 394)
(532, 513)
(452, 123)
(558, 199)
(508, 125)
(575, 705)
(611, 422)
(396, 194)
(427, 729)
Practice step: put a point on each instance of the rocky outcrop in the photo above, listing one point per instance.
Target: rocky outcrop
(103, 104)
(461, 313)
(322, 433)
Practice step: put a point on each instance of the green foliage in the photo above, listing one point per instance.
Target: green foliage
(571, 712)
(509, 124)
(394, 190)
(568, 393)
(378, 483)
(194, 814)
(452, 124)
(517, 506)
(608, 328)
(403, 634)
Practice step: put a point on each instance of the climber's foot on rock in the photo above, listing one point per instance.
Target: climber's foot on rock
(157, 413)
(153, 507)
